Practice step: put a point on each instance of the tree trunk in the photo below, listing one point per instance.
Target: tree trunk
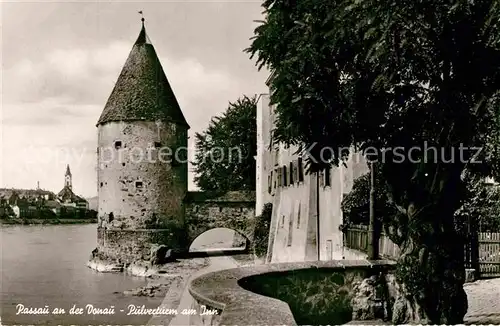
(430, 270)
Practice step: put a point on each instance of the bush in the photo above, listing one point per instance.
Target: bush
(261, 233)
(356, 205)
(481, 206)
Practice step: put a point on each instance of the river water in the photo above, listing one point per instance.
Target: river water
(45, 266)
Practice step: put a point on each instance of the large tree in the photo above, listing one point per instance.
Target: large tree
(225, 151)
(394, 76)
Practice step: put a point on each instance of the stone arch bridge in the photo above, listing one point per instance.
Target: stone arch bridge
(234, 210)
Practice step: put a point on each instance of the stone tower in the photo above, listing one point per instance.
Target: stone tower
(142, 161)
(67, 178)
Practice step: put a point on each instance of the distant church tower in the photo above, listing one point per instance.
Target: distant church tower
(141, 186)
(67, 178)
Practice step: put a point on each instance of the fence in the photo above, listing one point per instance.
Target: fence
(489, 254)
(481, 251)
(357, 239)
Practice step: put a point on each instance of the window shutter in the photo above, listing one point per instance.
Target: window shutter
(328, 176)
(301, 170)
(269, 182)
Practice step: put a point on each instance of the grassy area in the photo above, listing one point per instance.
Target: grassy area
(47, 221)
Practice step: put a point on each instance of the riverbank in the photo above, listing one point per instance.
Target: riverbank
(34, 221)
(162, 277)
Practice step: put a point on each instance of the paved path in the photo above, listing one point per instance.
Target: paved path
(216, 264)
(484, 302)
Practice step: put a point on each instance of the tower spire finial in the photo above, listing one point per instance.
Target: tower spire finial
(142, 17)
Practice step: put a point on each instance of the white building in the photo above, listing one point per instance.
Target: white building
(306, 208)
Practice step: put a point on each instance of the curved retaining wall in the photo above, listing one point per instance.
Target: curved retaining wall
(221, 293)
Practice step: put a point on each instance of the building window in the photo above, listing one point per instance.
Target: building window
(290, 230)
(275, 177)
(282, 221)
(139, 185)
(328, 177)
(220, 209)
(291, 173)
(269, 182)
(196, 208)
(118, 144)
(301, 169)
(298, 217)
(280, 177)
(285, 176)
(157, 144)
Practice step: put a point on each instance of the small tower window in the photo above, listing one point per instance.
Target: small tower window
(118, 144)
(327, 177)
(138, 185)
(220, 209)
(157, 144)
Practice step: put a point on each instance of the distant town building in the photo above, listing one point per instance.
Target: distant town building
(67, 197)
(40, 203)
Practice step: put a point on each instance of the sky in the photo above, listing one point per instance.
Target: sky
(60, 61)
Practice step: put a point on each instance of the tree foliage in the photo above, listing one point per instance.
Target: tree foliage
(481, 205)
(225, 151)
(397, 78)
(380, 73)
(480, 209)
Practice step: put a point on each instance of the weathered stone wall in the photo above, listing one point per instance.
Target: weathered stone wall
(140, 184)
(127, 246)
(307, 293)
(234, 210)
(315, 296)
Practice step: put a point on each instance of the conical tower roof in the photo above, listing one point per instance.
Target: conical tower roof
(142, 91)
